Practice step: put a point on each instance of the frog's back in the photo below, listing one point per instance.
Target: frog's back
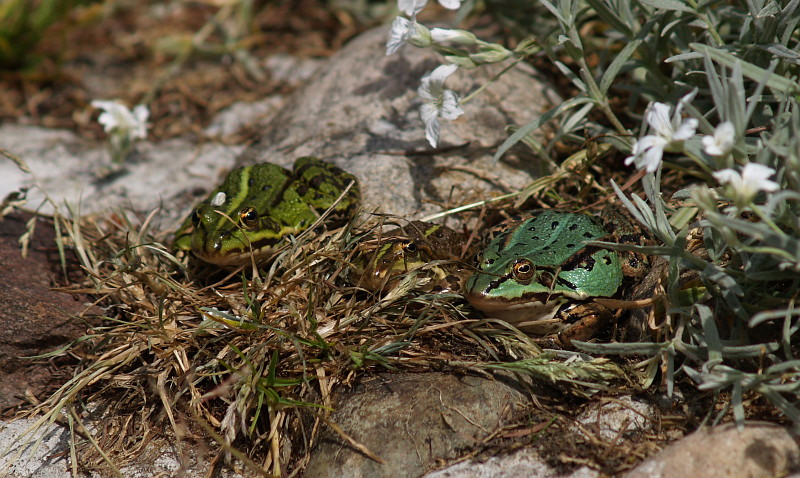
(549, 237)
(319, 184)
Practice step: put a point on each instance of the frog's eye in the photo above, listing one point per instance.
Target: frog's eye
(409, 247)
(522, 270)
(248, 217)
(195, 218)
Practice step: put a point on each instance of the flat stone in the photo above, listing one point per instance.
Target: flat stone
(410, 421)
(169, 175)
(34, 319)
(522, 464)
(22, 457)
(613, 418)
(759, 450)
(361, 112)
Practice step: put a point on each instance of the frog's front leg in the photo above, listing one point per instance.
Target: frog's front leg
(583, 321)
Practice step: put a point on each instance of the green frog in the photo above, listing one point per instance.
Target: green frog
(415, 245)
(257, 206)
(540, 275)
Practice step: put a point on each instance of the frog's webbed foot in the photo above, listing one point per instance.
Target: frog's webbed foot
(583, 321)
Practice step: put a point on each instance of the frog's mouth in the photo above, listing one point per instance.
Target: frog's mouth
(232, 259)
(535, 315)
(213, 253)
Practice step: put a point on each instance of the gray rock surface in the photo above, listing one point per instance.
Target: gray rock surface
(362, 112)
(67, 169)
(410, 421)
(612, 418)
(522, 464)
(22, 456)
(760, 450)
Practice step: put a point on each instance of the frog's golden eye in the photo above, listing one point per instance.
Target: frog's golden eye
(409, 247)
(195, 218)
(522, 270)
(248, 217)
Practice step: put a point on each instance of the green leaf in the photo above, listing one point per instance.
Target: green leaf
(611, 72)
(672, 5)
(535, 124)
(755, 73)
(611, 16)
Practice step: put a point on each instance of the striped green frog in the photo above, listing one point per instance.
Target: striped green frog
(257, 206)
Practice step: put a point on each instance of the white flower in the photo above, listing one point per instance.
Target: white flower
(400, 32)
(722, 142)
(670, 135)
(745, 186)
(405, 30)
(412, 7)
(117, 119)
(438, 102)
(451, 4)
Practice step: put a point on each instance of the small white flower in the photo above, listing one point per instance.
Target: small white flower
(404, 30)
(412, 7)
(745, 186)
(722, 142)
(116, 118)
(451, 4)
(670, 134)
(438, 102)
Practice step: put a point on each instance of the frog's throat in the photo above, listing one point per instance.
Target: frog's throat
(238, 252)
(235, 258)
(535, 314)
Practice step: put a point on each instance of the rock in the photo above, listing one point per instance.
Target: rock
(611, 419)
(522, 464)
(758, 450)
(362, 112)
(410, 421)
(21, 457)
(172, 174)
(33, 318)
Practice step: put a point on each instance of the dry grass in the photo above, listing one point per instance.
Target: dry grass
(225, 360)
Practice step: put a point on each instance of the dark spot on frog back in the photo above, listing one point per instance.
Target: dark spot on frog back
(630, 239)
(318, 180)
